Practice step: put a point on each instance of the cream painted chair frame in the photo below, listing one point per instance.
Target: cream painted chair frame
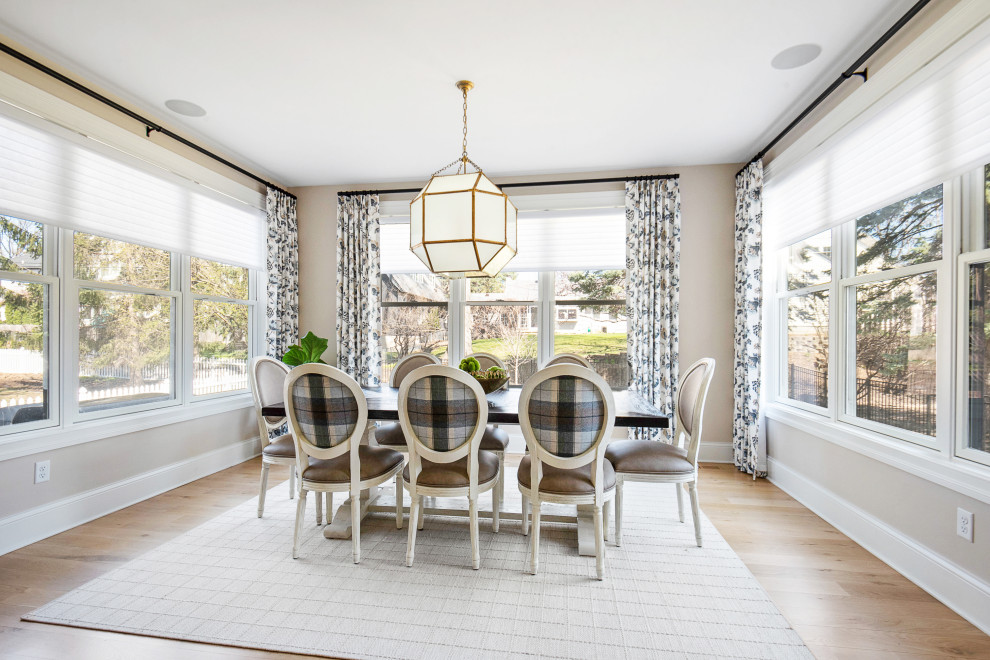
(305, 450)
(265, 427)
(419, 451)
(404, 448)
(693, 445)
(501, 454)
(568, 358)
(539, 455)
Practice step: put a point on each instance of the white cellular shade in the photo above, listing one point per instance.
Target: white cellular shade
(548, 240)
(934, 127)
(46, 175)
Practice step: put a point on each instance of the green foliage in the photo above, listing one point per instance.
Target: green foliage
(901, 234)
(599, 285)
(309, 350)
(470, 365)
(19, 239)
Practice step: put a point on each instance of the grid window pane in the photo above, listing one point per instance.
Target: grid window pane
(412, 329)
(986, 205)
(419, 287)
(106, 260)
(23, 352)
(124, 349)
(21, 245)
(596, 332)
(807, 348)
(978, 431)
(220, 347)
(895, 352)
(523, 287)
(506, 331)
(902, 234)
(809, 262)
(212, 278)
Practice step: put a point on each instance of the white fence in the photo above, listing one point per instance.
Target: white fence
(21, 361)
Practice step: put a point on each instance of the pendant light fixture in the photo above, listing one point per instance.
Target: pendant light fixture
(461, 224)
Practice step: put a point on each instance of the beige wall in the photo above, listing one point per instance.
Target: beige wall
(923, 511)
(90, 465)
(706, 307)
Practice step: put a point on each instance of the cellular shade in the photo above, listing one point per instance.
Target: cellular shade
(932, 127)
(589, 239)
(51, 175)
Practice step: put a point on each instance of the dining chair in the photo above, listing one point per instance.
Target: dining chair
(328, 417)
(666, 463)
(267, 377)
(566, 412)
(568, 358)
(443, 411)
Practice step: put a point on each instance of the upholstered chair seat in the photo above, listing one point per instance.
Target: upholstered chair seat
(670, 463)
(281, 447)
(575, 481)
(375, 461)
(455, 475)
(648, 457)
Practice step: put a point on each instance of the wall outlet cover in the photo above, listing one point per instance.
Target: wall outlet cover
(42, 471)
(964, 524)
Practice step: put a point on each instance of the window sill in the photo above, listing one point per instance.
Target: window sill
(52, 438)
(957, 474)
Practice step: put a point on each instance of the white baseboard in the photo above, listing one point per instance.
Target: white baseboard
(715, 452)
(39, 523)
(960, 590)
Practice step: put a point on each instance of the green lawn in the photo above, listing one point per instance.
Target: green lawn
(586, 344)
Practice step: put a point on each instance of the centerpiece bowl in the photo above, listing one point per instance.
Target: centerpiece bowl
(488, 384)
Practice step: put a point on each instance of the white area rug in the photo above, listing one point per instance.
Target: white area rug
(232, 581)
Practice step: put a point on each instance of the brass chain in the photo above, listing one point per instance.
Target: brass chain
(464, 155)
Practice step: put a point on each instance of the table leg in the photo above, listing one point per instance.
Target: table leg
(340, 528)
(586, 530)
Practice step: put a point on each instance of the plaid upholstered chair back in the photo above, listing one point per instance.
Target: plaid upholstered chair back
(443, 409)
(567, 414)
(407, 364)
(326, 409)
(692, 391)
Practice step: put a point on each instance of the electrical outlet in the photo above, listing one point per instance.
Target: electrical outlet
(42, 471)
(964, 524)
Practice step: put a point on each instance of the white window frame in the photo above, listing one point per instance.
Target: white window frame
(188, 349)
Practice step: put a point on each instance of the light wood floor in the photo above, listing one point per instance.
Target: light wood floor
(843, 602)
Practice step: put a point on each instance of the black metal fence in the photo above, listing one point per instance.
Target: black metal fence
(907, 404)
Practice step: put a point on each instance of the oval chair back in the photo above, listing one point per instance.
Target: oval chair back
(692, 391)
(487, 361)
(407, 364)
(328, 415)
(267, 377)
(566, 411)
(568, 358)
(443, 412)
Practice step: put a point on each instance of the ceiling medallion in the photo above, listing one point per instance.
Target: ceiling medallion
(461, 224)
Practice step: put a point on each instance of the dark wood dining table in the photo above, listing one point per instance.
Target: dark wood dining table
(631, 410)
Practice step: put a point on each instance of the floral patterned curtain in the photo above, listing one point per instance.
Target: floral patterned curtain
(653, 257)
(283, 273)
(359, 281)
(746, 443)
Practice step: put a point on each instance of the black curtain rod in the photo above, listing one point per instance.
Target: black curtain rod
(149, 125)
(853, 70)
(645, 177)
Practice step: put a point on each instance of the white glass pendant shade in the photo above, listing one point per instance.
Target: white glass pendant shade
(462, 225)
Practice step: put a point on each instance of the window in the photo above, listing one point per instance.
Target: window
(414, 317)
(975, 442)
(500, 319)
(593, 323)
(221, 326)
(126, 323)
(808, 272)
(25, 344)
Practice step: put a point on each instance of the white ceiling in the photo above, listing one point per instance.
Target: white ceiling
(311, 92)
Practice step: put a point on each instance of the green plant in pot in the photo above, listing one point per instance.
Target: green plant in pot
(309, 350)
(490, 379)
